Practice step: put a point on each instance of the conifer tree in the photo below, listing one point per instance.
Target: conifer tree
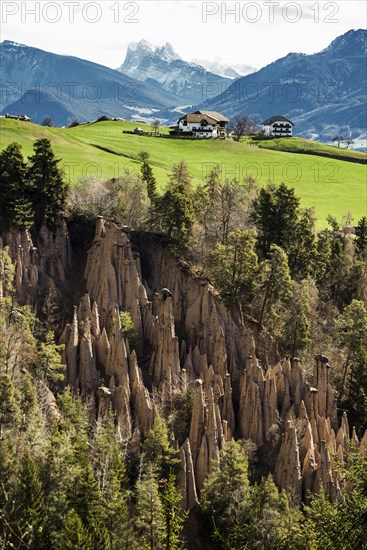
(33, 511)
(73, 535)
(233, 267)
(8, 475)
(50, 366)
(296, 331)
(157, 449)
(8, 404)
(275, 213)
(148, 514)
(85, 497)
(148, 177)
(213, 182)
(361, 237)
(225, 495)
(352, 333)
(175, 208)
(352, 336)
(273, 521)
(109, 466)
(302, 248)
(172, 516)
(15, 204)
(28, 397)
(49, 188)
(276, 283)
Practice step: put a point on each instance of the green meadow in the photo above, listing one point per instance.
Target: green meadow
(301, 145)
(329, 185)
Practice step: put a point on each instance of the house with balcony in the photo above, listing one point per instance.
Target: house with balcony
(277, 126)
(205, 124)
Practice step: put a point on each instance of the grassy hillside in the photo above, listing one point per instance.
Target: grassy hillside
(301, 145)
(331, 186)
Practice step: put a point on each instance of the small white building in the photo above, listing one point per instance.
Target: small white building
(277, 126)
(206, 124)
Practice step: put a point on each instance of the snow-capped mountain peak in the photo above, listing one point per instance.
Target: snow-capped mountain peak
(167, 52)
(162, 66)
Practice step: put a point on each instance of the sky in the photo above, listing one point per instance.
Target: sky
(254, 33)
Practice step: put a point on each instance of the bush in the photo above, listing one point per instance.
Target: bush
(128, 329)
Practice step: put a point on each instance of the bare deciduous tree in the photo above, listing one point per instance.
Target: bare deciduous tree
(338, 139)
(92, 198)
(241, 125)
(48, 121)
(349, 141)
(155, 126)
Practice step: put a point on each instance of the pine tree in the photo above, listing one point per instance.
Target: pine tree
(148, 514)
(33, 511)
(157, 449)
(296, 331)
(361, 237)
(213, 183)
(28, 396)
(277, 283)
(273, 521)
(48, 186)
(110, 470)
(172, 516)
(343, 526)
(9, 475)
(226, 491)
(15, 204)
(148, 177)
(50, 366)
(302, 251)
(276, 213)
(233, 267)
(352, 334)
(8, 405)
(175, 208)
(73, 535)
(150, 181)
(355, 394)
(85, 497)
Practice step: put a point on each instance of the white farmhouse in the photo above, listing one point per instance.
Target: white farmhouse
(209, 124)
(277, 126)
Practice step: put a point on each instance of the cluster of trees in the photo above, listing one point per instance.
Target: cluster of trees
(339, 139)
(242, 515)
(33, 192)
(134, 201)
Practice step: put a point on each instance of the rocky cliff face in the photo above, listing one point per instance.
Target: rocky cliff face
(41, 265)
(186, 336)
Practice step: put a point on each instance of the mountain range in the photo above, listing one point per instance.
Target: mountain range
(40, 83)
(323, 93)
(162, 66)
(218, 66)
